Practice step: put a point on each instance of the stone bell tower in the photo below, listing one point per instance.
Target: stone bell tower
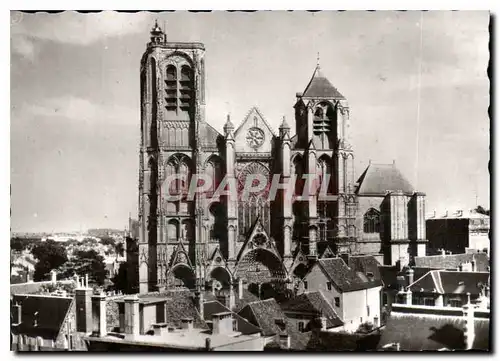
(322, 128)
(172, 78)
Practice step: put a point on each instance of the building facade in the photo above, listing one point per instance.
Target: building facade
(192, 241)
(457, 232)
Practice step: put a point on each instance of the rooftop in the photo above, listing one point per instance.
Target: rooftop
(453, 261)
(345, 278)
(432, 332)
(195, 339)
(314, 302)
(450, 282)
(459, 214)
(378, 179)
(320, 87)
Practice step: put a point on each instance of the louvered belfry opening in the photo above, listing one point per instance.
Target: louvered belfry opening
(171, 88)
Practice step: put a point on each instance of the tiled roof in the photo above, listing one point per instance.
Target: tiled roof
(212, 307)
(320, 87)
(263, 314)
(453, 261)
(344, 278)
(245, 300)
(182, 305)
(42, 315)
(377, 179)
(365, 265)
(426, 333)
(314, 302)
(446, 282)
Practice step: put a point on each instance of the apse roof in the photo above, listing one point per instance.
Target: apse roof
(378, 179)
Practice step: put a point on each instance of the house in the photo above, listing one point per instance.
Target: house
(457, 232)
(145, 325)
(242, 325)
(470, 262)
(443, 288)
(44, 323)
(307, 308)
(354, 295)
(278, 331)
(429, 328)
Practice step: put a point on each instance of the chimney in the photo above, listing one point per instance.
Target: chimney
(469, 333)
(83, 303)
(443, 252)
(323, 323)
(131, 315)
(17, 319)
(408, 295)
(187, 324)
(53, 276)
(160, 329)
(86, 280)
(240, 288)
(409, 275)
(199, 300)
(99, 314)
(284, 340)
(232, 301)
(222, 323)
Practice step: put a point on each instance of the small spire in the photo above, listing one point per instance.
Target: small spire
(228, 125)
(317, 60)
(156, 28)
(284, 124)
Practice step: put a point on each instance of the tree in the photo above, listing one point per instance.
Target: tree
(365, 327)
(17, 244)
(120, 280)
(50, 255)
(85, 263)
(107, 241)
(481, 210)
(119, 249)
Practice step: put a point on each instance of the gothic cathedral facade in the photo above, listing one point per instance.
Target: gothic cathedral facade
(200, 242)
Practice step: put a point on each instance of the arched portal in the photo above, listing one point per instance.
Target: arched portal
(222, 275)
(181, 276)
(259, 266)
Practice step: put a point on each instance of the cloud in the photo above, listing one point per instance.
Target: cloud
(74, 28)
(23, 46)
(79, 110)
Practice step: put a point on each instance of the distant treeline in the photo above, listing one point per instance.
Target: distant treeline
(100, 232)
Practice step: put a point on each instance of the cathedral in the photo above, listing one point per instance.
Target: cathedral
(202, 242)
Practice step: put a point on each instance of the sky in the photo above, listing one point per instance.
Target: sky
(416, 84)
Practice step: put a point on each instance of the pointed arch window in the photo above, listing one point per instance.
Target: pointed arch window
(171, 89)
(298, 171)
(186, 87)
(371, 221)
